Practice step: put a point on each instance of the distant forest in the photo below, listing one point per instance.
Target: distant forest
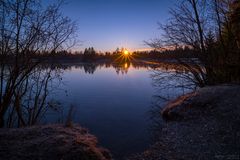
(91, 55)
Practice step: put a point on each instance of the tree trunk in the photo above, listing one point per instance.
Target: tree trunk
(200, 30)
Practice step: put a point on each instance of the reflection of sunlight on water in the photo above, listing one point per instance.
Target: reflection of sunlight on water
(126, 66)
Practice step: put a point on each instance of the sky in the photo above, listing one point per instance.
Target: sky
(108, 24)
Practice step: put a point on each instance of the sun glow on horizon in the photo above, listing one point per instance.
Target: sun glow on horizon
(124, 55)
(126, 52)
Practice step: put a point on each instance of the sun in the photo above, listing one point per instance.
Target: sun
(124, 56)
(126, 52)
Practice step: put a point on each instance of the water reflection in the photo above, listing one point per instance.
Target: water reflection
(168, 89)
(90, 68)
(122, 67)
(120, 102)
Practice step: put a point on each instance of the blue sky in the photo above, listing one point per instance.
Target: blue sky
(108, 24)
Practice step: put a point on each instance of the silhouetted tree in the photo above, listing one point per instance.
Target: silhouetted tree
(210, 28)
(28, 29)
(89, 54)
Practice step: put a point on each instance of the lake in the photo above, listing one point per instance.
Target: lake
(117, 103)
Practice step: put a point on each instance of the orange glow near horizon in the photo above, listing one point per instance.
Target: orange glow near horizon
(125, 56)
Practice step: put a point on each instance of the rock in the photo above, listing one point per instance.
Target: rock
(170, 111)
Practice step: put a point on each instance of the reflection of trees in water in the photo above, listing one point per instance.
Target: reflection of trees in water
(172, 76)
(174, 69)
(166, 78)
(122, 67)
(90, 68)
(31, 98)
(169, 80)
(29, 29)
(169, 83)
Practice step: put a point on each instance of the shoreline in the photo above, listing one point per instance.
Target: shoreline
(50, 142)
(201, 125)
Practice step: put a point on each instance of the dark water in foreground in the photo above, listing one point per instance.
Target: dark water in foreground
(117, 104)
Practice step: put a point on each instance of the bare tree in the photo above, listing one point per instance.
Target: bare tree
(186, 28)
(206, 27)
(27, 29)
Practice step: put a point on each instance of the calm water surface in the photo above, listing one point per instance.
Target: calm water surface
(115, 104)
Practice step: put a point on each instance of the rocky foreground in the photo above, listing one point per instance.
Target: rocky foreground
(51, 142)
(204, 125)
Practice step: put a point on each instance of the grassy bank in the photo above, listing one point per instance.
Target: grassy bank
(50, 142)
